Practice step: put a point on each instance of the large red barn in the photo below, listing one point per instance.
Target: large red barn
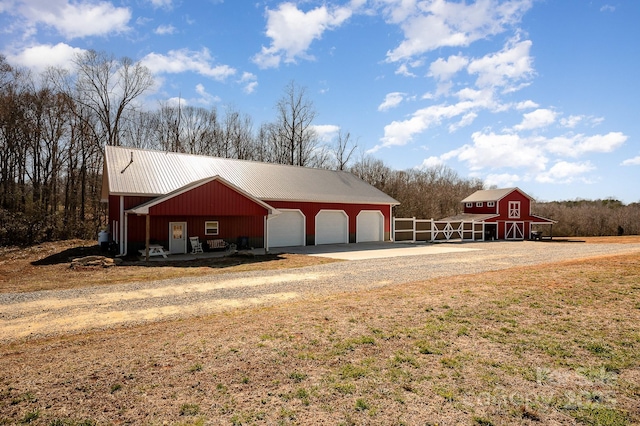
(166, 197)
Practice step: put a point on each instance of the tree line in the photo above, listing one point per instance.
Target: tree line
(54, 126)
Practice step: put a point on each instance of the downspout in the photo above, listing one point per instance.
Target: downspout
(266, 234)
(121, 225)
(126, 234)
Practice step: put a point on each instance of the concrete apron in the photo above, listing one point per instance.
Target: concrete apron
(379, 250)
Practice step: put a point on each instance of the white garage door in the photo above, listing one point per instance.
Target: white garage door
(286, 229)
(332, 227)
(369, 226)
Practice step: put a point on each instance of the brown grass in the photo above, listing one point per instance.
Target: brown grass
(46, 267)
(535, 345)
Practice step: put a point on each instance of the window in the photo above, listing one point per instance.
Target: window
(469, 204)
(491, 204)
(514, 209)
(211, 227)
(479, 204)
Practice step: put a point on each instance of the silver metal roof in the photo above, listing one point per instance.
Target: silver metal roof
(469, 217)
(131, 171)
(490, 195)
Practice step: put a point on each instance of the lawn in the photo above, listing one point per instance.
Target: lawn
(552, 344)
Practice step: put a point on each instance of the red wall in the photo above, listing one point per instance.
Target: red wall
(310, 210)
(212, 198)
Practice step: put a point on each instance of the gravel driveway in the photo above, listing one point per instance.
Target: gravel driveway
(25, 315)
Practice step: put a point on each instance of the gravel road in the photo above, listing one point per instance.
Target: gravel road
(28, 315)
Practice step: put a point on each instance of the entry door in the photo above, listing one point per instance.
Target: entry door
(177, 237)
(514, 230)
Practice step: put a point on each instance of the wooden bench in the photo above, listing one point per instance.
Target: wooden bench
(217, 244)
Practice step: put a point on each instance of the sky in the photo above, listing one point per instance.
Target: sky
(539, 94)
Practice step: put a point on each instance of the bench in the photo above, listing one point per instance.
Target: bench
(217, 244)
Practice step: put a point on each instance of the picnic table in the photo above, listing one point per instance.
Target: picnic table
(155, 250)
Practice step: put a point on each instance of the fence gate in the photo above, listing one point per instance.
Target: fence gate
(412, 229)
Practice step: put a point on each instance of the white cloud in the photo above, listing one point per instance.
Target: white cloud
(206, 98)
(165, 29)
(392, 100)
(528, 104)
(635, 161)
(578, 145)
(167, 4)
(495, 151)
(292, 31)
(250, 82)
(184, 60)
(399, 133)
(502, 180)
(326, 132)
(571, 121)
(608, 8)
(39, 58)
(403, 69)
(465, 121)
(537, 119)
(431, 25)
(502, 69)
(444, 69)
(74, 19)
(431, 162)
(566, 172)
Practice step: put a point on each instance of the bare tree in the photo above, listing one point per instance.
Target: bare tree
(343, 150)
(295, 138)
(108, 87)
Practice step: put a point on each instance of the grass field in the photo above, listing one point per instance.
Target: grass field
(552, 344)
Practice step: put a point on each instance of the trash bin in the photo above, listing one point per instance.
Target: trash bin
(243, 243)
(103, 240)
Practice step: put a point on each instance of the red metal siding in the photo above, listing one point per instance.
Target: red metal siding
(212, 198)
(485, 209)
(230, 227)
(310, 210)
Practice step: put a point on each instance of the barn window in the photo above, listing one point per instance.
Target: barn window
(514, 209)
(469, 204)
(491, 204)
(211, 227)
(479, 204)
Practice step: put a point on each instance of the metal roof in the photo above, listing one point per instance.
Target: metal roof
(131, 171)
(491, 195)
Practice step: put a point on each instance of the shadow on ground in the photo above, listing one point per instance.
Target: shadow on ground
(67, 255)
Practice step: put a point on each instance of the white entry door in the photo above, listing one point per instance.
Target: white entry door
(177, 237)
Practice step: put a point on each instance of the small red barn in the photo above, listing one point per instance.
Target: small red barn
(506, 213)
(166, 197)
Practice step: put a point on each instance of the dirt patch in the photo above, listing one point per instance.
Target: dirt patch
(47, 267)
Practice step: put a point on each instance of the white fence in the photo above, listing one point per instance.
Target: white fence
(412, 229)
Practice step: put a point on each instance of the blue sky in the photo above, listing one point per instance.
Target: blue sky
(539, 94)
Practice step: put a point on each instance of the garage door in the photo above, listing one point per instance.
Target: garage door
(286, 229)
(369, 226)
(332, 227)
